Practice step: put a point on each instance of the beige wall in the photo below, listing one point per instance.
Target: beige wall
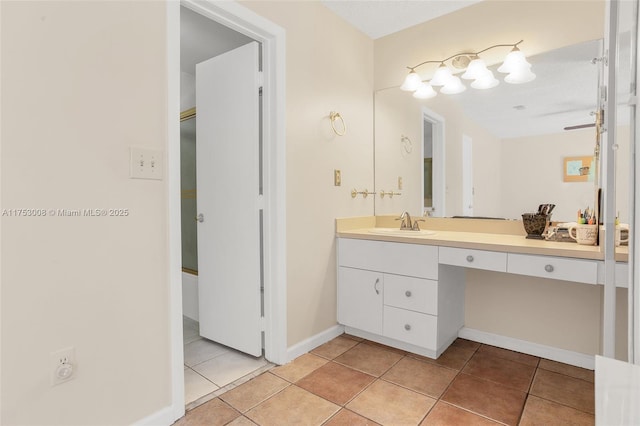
(81, 82)
(329, 68)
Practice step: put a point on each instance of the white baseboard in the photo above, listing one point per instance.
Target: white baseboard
(313, 342)
(190, 296)
(548, 352)
(163, 417)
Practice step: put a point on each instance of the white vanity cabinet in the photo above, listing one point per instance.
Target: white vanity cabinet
(360, 301)
(392, 293)
(576, 270)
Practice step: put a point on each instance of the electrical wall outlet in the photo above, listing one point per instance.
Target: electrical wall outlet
(337, 178)
(146, 163)
(63, 366)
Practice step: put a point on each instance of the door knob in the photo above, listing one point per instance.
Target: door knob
(200, 218)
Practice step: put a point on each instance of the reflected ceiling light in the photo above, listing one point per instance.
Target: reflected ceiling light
(453, 86)
(486, 81)
(515, 65)
(425, 91)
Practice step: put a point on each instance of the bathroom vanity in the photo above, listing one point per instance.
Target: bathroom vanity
(407, 290)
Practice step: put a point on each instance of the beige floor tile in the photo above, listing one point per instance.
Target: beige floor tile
(444, 414)
(213, 413)
(299, 367)
(292, 406)
(538, 411)
(229, 367)
(420, 376)
(369, 359)
(567, 370)
(349, 418)
(509, 373)
(335, 347)
(196, 386)
(486, 398)
(253, 392)
(335, 382)
(202, 350)
(510, 355)
(389, 404)
(388, 348)
(464, 343)
(241, 421)
(455, 357)
(575, 393)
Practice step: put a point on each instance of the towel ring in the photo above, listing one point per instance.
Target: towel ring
(334, 116)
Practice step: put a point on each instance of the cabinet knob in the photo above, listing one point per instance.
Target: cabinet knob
(548, 268)
(407, 327)
(407, 293)
(469, 258)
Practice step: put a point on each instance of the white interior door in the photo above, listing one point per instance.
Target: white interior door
(229, 199)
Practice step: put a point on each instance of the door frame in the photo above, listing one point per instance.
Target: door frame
(438, 139)
(272, 38)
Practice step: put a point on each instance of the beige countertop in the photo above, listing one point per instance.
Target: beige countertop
(481, 241)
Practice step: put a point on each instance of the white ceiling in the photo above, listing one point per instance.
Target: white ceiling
(563, 94)
(378, 18)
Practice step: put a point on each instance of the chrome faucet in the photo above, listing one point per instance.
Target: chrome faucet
(407, 224)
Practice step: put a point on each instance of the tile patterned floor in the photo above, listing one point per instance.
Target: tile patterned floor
(211, 369)
(350, 381)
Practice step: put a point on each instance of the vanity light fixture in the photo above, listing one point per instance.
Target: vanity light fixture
(515, 65)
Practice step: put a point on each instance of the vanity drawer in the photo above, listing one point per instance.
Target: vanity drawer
(411, 327)
(558, 268)
(415, 260)
(411, 293)
(477, 259)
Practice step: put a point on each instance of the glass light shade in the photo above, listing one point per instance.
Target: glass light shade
(453, 86)
(486, 81)
(476, 70)
(411, 82)
(520, 77)
(442, 76)
(425, 91)
(514, 62)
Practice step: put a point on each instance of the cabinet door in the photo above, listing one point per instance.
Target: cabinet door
(360, 299)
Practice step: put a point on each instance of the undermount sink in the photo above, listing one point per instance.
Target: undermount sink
(400, 232)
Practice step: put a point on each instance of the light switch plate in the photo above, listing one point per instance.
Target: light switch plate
(146, 163)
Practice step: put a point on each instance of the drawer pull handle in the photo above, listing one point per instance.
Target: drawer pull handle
(407, 327)
(469, 258)
(407, 293)
(548, 268)
(375, 286)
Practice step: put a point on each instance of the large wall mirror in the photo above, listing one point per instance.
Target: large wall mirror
(498, 152)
